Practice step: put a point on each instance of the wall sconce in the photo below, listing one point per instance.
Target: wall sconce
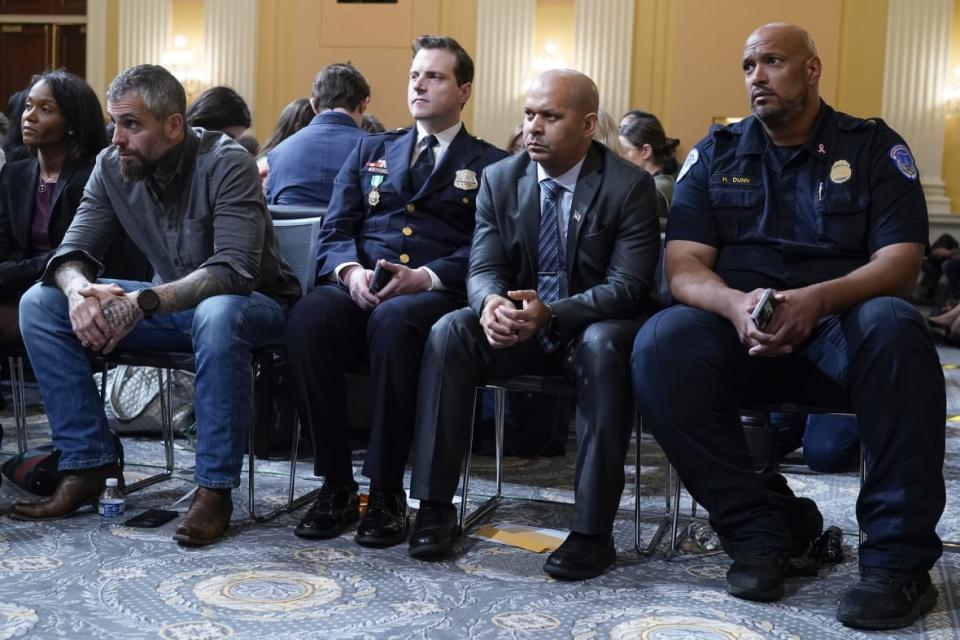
(951, 95)
(551, 58)
(181, 62)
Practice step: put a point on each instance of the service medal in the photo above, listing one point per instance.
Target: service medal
(374, 198)
(465, 179)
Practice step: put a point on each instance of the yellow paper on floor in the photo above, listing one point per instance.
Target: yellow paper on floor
(517, 535)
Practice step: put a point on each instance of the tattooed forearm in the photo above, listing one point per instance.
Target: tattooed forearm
(191, 290)
(73, 275)
(121, 313)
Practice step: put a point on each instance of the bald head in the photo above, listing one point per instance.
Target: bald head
(559, 119)
(782, 74)
(578, 91)
(788, 35)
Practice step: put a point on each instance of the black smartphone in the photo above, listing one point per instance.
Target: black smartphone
(763, 312)
(380, 278)
(151, 518)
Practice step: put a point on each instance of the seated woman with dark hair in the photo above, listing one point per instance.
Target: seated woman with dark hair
(220, 109)
(647, 146)
(62, 126)
(294, 117)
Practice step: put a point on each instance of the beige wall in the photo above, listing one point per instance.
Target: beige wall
(297, 37)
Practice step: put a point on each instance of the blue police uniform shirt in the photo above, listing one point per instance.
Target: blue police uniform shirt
(374, 213)
(785, 217)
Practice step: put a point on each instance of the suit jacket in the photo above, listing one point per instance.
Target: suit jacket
(18, 185)
(612, 247)
(303, 167)
(430, 228)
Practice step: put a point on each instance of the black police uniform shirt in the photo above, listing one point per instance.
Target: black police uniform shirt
(784, 217)
(374, 213)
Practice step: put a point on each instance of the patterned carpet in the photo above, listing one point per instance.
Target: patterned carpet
(76, 579)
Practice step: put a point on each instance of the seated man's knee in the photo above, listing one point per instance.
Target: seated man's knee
(889, 320)
(218, 319)
(607, 341)
(41, 301)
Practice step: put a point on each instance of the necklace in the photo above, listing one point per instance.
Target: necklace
(43, 187)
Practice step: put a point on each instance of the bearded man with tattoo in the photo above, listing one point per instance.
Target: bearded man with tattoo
(191, 201)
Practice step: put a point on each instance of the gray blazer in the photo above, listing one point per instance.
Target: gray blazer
(613, 245)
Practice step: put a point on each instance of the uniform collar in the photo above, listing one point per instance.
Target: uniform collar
(754, 139)
(444, 138)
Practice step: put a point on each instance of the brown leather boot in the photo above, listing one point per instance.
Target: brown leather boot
(77, 488)
(207, 519)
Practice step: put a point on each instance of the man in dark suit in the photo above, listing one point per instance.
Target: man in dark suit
(562, 262)
(403, 202)
(302, 167)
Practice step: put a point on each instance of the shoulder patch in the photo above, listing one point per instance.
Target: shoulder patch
(691, 160)
(903, 160)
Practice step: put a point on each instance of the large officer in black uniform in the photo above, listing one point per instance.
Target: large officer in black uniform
(828, 211)
(404, 199)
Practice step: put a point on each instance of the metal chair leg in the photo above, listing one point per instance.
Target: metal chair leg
(19, 403)
(165, 395)
(467, 521)
(292, 503)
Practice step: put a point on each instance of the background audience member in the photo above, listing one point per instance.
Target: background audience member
(303, 167)
(220, 109)
(371, 124)
(249, 142)
(646, 145)
(515, 144)
(629, 117)
(63, 129)
(607, 132)
(13, 147)
(296, 115)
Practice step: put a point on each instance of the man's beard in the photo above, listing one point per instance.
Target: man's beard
(785, 111)
(136, 169)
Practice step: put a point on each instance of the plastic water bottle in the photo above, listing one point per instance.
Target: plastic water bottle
(111, 503)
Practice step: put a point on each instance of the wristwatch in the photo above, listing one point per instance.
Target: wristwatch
(148, 301)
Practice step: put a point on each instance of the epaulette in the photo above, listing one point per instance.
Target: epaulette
(846, 122)
(486, 143)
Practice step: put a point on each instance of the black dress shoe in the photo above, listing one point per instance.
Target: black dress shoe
(385, 522)
(757, 574)
(435, 531)
(581, 557)
(335, 509)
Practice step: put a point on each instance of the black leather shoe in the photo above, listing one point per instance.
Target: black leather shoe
(435, 532)
(887, 599)
(757, 574)
(385, 522)
(335, 509)
(581, 557)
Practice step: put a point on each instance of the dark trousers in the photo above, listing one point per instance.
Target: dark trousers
(458, 357)
(691, 373)
(328, 335)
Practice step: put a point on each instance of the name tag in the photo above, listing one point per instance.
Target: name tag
(743, 181)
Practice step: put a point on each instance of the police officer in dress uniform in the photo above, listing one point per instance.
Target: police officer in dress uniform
(827, 210)
(403, 200)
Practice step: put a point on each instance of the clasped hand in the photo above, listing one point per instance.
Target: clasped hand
(794, 318)
(404, 280)
(101, 315)
(505, 325)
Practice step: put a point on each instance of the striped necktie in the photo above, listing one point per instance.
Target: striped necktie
(548, 269)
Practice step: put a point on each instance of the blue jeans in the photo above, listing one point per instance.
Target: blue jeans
(221, 331)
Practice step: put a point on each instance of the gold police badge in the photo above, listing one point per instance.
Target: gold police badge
(840, 172)
(465, 179)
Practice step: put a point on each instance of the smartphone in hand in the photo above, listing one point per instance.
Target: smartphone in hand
(380, 278)
(763, 312)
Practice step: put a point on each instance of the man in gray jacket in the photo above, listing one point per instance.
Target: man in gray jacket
(190, 200)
